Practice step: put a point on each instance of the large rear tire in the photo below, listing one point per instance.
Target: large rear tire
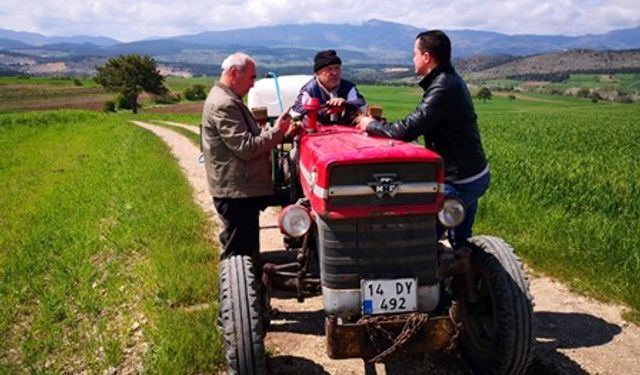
(497, 335)
(241, 317)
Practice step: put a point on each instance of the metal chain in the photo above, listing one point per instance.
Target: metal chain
(453, 313)
(411, 327)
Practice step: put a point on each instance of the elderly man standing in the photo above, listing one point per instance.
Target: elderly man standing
(236, 152)
(341, 100)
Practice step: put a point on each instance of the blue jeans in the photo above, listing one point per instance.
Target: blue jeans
(469, 193)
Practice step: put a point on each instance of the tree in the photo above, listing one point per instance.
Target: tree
(130, 75)
(484, 94)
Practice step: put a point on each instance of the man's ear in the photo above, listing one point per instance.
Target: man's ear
(233, 73)
(426, 56)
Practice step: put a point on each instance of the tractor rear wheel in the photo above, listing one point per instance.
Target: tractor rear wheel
(241, 317)
(497, 335)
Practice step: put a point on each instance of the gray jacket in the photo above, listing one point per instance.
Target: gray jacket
(236, 149)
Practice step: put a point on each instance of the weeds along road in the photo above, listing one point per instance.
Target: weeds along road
(574, 334)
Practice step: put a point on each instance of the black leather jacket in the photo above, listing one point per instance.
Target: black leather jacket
(447, 120)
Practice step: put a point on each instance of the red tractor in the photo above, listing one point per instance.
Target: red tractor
(359, 217)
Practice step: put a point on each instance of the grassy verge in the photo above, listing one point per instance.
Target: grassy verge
(191, 136)
(105, 261)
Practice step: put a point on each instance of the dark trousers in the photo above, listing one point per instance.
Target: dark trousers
(240, 219)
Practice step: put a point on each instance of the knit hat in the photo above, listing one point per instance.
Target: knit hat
(325, 58)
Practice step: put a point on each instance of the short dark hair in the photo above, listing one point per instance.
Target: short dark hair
(437, 43)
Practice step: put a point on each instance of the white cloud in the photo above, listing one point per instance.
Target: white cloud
(134, 20)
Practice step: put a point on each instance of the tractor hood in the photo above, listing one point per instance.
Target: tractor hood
(348, 174)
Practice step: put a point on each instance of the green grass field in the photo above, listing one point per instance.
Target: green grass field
(565, 185)
(19, 94)
(47, 81)
(180, 84)
(628, 82)
(101, 249)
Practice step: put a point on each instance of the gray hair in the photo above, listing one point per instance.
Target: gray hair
(237, 60)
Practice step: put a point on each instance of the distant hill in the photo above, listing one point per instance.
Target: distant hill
(384, 42)
(388, 39)
(35, 39)
(11, 44)
(379, 38)
(368, 50)
(576, 61)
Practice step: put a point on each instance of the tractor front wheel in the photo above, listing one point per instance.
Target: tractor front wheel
(497, 312)
(241, 317)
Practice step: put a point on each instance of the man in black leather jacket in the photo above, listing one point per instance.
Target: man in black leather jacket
(446, 118)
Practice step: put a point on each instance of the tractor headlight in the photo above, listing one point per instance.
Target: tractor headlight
(294, 221)
(452, 212)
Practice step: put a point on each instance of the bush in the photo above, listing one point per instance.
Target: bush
(195, 92)
(555, 91)
(624, 98)
(511, 97)
(484, 94)
(583, 93)
(109, 106)
(122, 102)
(77, 82)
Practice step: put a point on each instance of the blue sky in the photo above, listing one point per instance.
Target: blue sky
(129, 20)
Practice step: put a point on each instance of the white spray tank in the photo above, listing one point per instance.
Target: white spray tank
(265, 93)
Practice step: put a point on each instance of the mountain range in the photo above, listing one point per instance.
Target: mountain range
(291, 47)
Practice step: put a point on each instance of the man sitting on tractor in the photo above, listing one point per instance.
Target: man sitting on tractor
(340, 100)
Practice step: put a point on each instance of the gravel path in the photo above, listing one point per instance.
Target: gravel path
(575, 334)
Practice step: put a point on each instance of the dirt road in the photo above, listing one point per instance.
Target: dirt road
(574, 334)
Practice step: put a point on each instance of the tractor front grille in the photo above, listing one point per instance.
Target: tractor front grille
(377, 248)
(355, 185)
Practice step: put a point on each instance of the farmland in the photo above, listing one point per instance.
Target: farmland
(43, 93)
(98, 234)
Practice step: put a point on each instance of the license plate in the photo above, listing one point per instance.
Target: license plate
(389, 296)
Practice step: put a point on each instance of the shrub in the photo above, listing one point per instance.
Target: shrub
(77, 82)
(484, 94)
(583, 93)
(195, 92)
(624, 98)
(122, 102)
(109, 106)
